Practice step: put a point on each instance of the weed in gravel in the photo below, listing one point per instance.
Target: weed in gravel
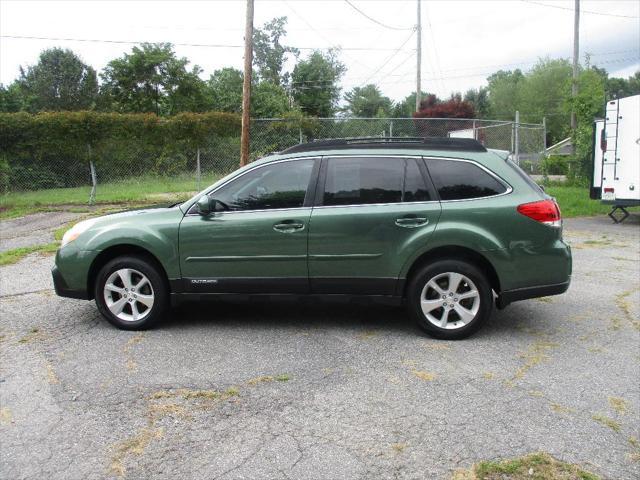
(556, 407)
(620, 405)
(368, 335)
(135, 445)
(545, 299)
(624, 305)
(534, 355)
(33, 334)
(606, 421)
(6, 417)
(268, 379)
(422, 375)
(535, 466)
(399, 447)
(634, 456)
(488, 375)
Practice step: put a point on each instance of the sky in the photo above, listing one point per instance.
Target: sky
(463, 41)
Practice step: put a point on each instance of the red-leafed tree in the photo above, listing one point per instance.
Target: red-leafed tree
(433, 107)
(455, 107)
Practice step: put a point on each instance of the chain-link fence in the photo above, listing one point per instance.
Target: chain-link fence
(122, 169)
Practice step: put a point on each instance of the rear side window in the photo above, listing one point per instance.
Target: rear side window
(457, 180)
(363, 180)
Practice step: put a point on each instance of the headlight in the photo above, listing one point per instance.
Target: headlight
(75, 231)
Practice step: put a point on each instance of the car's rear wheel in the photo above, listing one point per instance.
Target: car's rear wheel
(131, 293)
(450, 299)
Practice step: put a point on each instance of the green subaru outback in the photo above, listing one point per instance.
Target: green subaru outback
(444, 226)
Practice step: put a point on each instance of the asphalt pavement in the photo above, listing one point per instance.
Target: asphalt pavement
(299, 390)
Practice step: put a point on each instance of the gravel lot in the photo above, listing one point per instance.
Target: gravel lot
(304, 391)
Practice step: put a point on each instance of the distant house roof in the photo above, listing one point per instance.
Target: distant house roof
(563, 147)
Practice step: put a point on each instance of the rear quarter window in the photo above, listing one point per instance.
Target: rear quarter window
(458, 180)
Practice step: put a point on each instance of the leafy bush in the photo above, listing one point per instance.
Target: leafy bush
(554, 165)
(53, 149)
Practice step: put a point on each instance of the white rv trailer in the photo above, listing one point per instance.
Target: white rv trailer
(616, 156)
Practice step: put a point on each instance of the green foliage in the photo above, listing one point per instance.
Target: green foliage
(268, 100)
(407, 107)
(59, 81)
(48, 150)
(224, 90)
(367, 102)
(11, 98)
(588, 104)
(269, 54)
(152, 79)
(315, 83)
(479, 98)
(503, 93)
(554, 165)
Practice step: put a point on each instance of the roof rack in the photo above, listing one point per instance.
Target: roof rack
(430, 143)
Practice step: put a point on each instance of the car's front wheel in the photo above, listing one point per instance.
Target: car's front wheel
(450, 299)
(131, 292)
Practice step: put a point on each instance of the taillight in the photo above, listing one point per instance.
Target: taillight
(544, 211)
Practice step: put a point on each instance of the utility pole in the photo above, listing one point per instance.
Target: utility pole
(246, 85)
(574, 80)
(419, 58)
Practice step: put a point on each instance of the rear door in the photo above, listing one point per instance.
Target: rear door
(371, 212)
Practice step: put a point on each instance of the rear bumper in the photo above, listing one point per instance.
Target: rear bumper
(63, 290)
(511, 296)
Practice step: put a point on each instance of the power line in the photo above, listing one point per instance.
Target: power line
(205, 45)
(388, 59)
(374, 20)
(581, 11)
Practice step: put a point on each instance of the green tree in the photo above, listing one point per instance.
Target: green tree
(269, 55)
(503, 89)
(269, 100)
(315, 83)
(11, 98)
(367, 102)
(620, 87)
(407, 107)
(224, 90)
(542, 94)
(479, 98)
(588, 105)
(59, 81)
(152, 79)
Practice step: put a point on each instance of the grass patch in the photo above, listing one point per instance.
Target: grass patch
(575, 201)
(606, 421)
(139, 189)
(14, 255)
(536, 466)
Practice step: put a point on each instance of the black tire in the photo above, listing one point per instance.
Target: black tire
(420, 279)
(158, 289)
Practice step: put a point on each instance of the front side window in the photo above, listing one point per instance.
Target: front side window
(363, 180)
(281, 185)
(457, 180)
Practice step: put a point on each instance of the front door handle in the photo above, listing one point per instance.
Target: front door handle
(411, 221)
(286, 226)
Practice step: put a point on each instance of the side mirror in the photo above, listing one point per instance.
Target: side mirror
(204, 205)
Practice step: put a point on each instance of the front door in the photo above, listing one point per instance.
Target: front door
(258, 243)
(372, 215)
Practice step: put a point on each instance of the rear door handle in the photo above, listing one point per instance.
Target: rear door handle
(286, 226)
(411, 222)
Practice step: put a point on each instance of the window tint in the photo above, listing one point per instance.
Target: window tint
(459, 180)
(415, 189)
(359, 181)
(282, 185)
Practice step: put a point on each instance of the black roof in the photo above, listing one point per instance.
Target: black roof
(430, 143)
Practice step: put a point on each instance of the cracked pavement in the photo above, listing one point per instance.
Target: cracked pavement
(299, 390)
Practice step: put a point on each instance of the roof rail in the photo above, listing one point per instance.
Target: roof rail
(430, 143)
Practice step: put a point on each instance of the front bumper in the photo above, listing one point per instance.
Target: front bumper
(63, 290)
(517, 294)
